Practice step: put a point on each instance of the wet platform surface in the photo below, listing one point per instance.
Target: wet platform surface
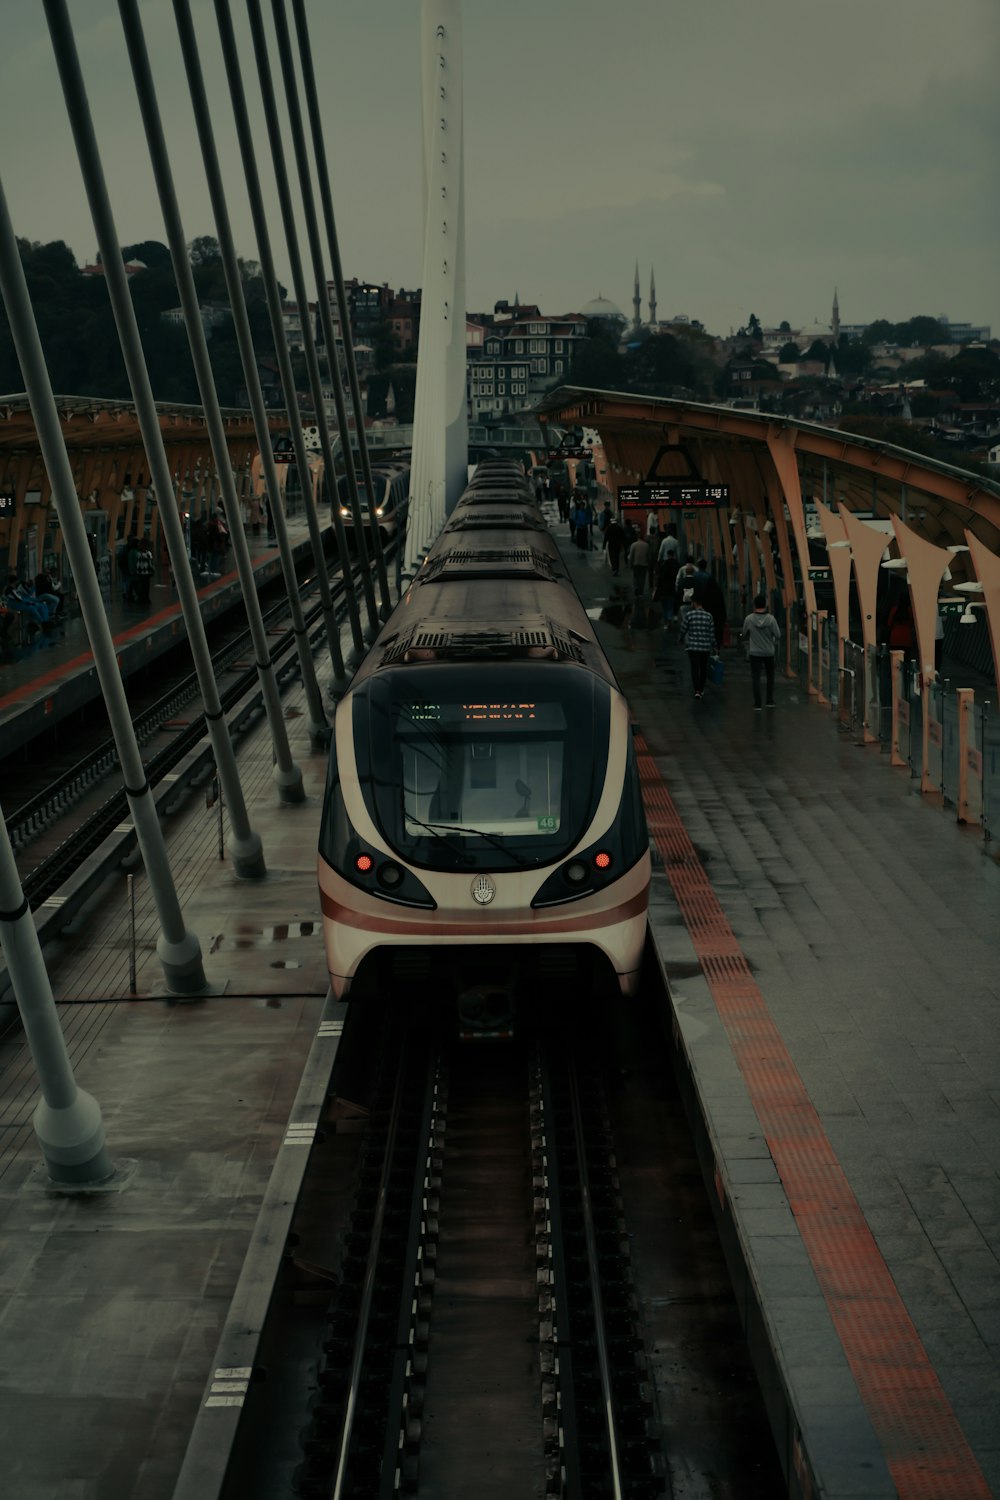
(111, 1305)
(832, 950)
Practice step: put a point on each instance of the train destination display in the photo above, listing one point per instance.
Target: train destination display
(672, 494)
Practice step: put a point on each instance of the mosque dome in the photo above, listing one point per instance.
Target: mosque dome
(600, 307)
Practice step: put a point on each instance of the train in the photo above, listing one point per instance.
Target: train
(391, 479)
(483, 831)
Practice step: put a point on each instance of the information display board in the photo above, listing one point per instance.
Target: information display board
(672, 494)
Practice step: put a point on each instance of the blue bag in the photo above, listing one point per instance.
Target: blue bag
(716, 670)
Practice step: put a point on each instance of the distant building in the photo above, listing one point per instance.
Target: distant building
(514, 361)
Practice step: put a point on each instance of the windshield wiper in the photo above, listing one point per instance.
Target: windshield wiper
(491, 838)
(433, 828)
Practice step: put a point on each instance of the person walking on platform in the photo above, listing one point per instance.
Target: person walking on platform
(684, 591)
(580, 522)
(665, 588)
(142, 565)
(763, 633)
(614, 544)
(669, 546)
(698, 636)
(714, 601)
(638, 558)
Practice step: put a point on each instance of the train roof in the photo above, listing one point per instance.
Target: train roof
(493, 587)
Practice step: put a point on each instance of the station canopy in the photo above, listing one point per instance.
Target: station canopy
(664, 438)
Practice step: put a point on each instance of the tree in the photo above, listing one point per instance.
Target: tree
(204, 247)
(852, 356)
(753, 326)
(788, 354)
(384, 345)
(152, 254)
(817, 350)
(659, 364)
(596, 362)
(784, 326)
(880, 332)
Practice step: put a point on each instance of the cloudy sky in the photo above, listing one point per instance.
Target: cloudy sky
(755, 153)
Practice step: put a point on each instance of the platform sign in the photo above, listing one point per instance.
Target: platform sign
(8, 506)
(819, 575)
(672, 494)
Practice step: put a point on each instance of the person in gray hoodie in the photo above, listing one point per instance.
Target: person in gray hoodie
(763, 633)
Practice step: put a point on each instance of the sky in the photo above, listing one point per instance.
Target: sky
(754, 153)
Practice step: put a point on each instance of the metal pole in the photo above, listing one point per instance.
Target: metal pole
(292, 244)
(237, 93)
(246, 850)
(179, 950)
(132, 976)
(222, 842)
(308, 203)
(67, 1121)
(288, 774)
(230, 261)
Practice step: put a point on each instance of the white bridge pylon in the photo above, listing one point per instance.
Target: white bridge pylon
(439, 463)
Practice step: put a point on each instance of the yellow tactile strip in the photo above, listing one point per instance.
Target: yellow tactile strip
(926, 1449)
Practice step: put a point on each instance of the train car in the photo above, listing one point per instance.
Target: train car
(392, 498)
(483, 825)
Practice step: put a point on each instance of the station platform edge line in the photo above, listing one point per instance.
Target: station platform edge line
(926, 1450)
(151, 622)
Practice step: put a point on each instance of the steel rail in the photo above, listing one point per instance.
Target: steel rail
(371, 1267)
(593, 1266)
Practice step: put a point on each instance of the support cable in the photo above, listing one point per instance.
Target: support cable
(305, 187)
(272, 291)
(272, 119)
(178, 949)
(245, 845)
(286, 772)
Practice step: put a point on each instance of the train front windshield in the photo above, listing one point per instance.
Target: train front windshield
(497, 779)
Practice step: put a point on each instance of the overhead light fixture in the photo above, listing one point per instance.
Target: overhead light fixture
(957, 547)
(972, 587)
(832, 545)
(895, 563)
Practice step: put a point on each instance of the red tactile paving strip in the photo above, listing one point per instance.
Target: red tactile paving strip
(926, 1450)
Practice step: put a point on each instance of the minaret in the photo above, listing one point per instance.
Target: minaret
(636, 302)
(652, 298)
(835, 320)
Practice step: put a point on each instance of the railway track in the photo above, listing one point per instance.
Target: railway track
(55, 830)
(482, 1338)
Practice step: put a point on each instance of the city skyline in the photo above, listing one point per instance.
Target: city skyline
(755, 157)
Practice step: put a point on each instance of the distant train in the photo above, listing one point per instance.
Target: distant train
(392, 497)
(483, 825)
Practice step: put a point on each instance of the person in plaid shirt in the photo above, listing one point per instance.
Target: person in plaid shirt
(698, 636)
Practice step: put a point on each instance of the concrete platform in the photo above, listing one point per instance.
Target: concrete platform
(111, 1306)
(54, 675)
(831, 946)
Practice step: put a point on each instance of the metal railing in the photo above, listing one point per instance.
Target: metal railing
(879, 698)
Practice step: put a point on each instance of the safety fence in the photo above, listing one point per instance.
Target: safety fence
(948, 738)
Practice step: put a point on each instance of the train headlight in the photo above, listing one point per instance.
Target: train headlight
(344, 511)
(577, 872)
(389, 875)
(380, 510)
